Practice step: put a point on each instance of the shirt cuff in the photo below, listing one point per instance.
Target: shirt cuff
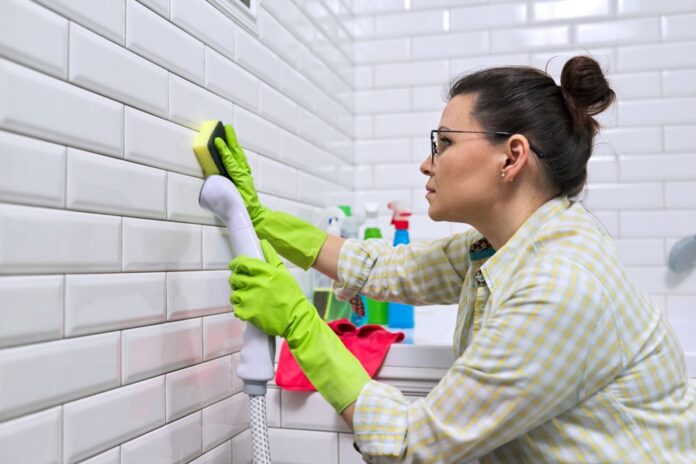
(380, 421)
(355, 262)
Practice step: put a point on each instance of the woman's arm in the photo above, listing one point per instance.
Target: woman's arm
(327, 259)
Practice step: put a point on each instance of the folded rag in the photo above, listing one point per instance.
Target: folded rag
(369, 344)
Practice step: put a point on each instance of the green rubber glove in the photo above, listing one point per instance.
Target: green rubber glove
(266, 295)
(295, 239)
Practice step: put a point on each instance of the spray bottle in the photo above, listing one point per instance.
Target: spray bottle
(377, 311)
(400, 315)
(350, 230)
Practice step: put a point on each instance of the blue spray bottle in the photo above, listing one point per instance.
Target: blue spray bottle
(400, 316)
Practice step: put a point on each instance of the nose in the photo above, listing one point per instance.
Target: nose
(426, 167)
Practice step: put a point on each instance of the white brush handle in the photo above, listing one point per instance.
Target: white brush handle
(220, 196)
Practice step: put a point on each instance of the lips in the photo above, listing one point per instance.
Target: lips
(429, 189)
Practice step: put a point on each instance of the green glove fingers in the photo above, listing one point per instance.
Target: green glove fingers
(266, 295)
(294, 238)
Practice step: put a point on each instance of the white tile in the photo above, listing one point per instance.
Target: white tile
(450, 45)
(640, 252)
(524, 39)
(382, 101)
(107, 19)
(38, 376)
(649, 7)
(309, 411)
(220, 455)
(410, 74)
(158, 40)
(182, 200)
(657, 223)
(392, 176)
(619, 32)
(202, 20)
(38, 105)
(664, 111)
(102, 184)
(681, 307)
(144, 249)
(363, 77)
(113, 71)
(278, 108)
(424, 228)
(679, 27)
(32, 309)
(303, 447)
(680, 138)
(217, 252)
(346, 452)
(635, 85)
(379, 51)
(362, 7)
(159, 143)
(570, 9)
(256, 133)
(190, 105)
(176, 443)
(382, 151)
(113, 456)
(622, 141)
(488, 16)
(314, 190)
(101, 302)
(296, 151)
(679, 83)
(200, 293)
(298, 87)
(47, 240)
(277, 178)
(273, 407)
(624, 196)
(405, 124)
(363, 127)
(241, 448)
(19, 437)
(467, 65)
(33, 172)
(256, 57)
(225, 419)
(160, 7)
(409, 23)
(656, 56)
(237, 382)
(131, 411)
(660, 280)
(156, 349)
(195, 387)
(608, 221)
(34, 36)
(658, 167)
(603, 169)
(278, 37)
(221, 71)
(680, 194)
(222, 334)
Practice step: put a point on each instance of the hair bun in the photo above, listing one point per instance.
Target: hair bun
(586, 91)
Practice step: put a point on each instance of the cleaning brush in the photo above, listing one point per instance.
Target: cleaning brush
(204, 148)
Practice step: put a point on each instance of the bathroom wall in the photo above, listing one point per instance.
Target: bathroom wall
(642, 180)
(116, 336)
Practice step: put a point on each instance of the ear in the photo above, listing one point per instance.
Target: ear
(518, 155)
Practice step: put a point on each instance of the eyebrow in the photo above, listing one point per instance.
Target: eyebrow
(443, 128)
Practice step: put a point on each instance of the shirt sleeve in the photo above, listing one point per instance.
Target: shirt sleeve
(526, 365)
(418, 273)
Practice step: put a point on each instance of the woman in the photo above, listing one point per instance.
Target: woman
(560, 357)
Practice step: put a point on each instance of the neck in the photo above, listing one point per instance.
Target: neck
(502, 221)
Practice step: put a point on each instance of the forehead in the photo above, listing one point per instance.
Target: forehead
(458, 113)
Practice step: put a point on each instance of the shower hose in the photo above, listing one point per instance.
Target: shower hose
(220, 196)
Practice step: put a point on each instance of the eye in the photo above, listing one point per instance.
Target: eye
(442, 143)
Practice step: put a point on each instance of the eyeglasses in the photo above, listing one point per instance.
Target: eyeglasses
(437, 144)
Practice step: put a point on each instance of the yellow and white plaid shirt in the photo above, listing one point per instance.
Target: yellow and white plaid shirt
(560, 356)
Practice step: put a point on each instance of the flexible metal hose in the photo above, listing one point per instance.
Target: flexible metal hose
(260, 447)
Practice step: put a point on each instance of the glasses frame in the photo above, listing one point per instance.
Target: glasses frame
(433, 142)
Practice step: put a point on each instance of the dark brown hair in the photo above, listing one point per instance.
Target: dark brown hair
(558, 120)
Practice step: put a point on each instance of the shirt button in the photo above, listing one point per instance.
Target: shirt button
(479, 277)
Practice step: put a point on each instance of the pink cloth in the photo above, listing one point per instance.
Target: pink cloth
(369, 344)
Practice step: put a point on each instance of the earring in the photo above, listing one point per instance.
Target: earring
(502, 174)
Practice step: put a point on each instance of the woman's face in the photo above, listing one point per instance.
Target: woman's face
(464, 180)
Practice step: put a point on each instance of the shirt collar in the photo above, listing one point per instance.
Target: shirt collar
(516, 246)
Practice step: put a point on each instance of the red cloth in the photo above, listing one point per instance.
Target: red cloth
(369, 344)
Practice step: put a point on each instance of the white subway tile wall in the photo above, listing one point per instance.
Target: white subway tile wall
(114, 299)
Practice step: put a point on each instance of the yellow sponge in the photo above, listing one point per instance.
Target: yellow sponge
(204, 148)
